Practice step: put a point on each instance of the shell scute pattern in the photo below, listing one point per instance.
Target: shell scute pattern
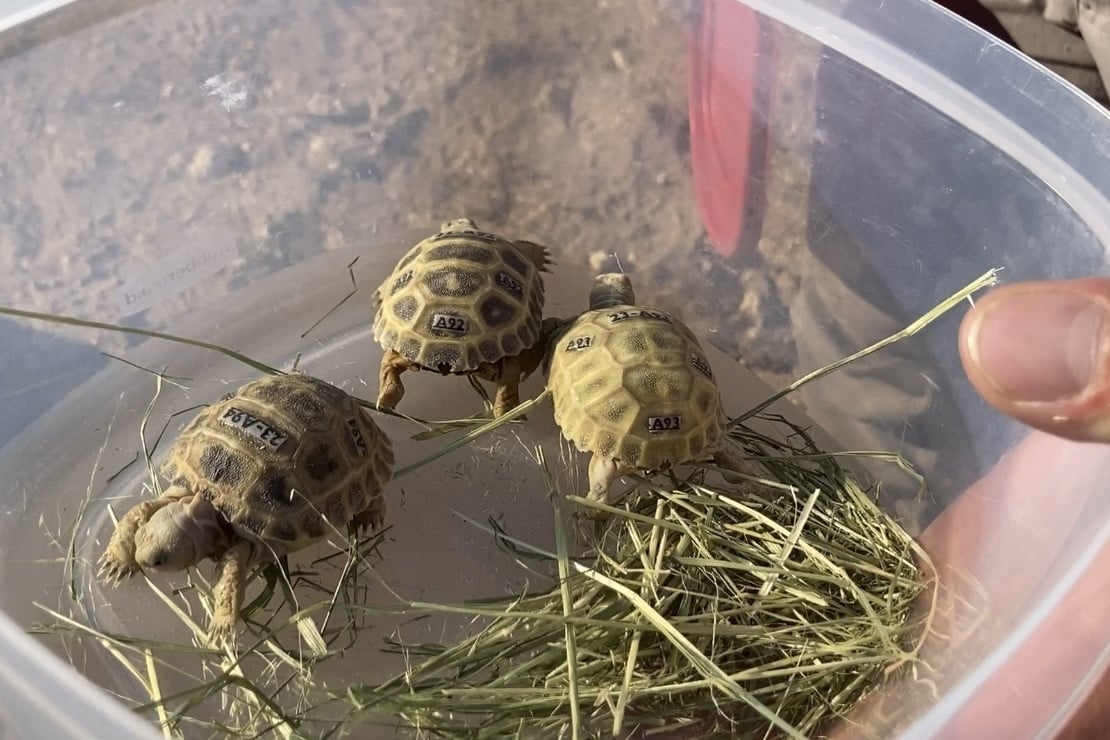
(280, 453)
(460, 299)
(635, 389)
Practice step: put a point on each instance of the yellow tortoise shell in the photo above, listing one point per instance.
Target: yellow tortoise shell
(633, 384)
(460, 299)
(285, 459)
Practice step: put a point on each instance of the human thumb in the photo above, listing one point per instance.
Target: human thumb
(1040, 352)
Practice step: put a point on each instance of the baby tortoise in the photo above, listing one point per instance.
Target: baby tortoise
(632, 386)
(462, 302)
(268, 470)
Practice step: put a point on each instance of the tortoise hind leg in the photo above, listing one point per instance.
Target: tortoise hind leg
(731, 464)
(539, 254)
(372, 517)
(532, 358)
(390, 388)
(508, 386)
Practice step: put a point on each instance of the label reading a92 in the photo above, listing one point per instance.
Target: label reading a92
(638, 313)
(252, 425)
(356, 437)
(657, 424)
(448, 323)
(578, 344)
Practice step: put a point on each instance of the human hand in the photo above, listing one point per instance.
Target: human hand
(1040, 353)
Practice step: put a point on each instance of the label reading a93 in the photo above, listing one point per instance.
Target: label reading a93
(657, 424)
(449, 323)
(578, 343)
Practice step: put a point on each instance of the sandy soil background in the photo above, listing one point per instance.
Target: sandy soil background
(256, 135)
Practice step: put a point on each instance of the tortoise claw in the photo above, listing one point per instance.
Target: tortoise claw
(221, 634)
(113, 570)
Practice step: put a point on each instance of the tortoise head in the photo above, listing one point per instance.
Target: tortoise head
(458, 224)
(180, 534)
(611, 289)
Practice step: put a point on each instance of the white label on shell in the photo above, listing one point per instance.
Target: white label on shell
(657, 424)
(578, 344)
(638, 313)
(356, 437)
(701, 364)
(511, 284)
(175, 273)
(449, 323)
(483, 236)
(258, 428)
(401, 282)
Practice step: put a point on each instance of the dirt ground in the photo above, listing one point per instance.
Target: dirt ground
(246, 137)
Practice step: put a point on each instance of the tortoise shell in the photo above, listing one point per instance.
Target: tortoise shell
(462, 298)
(633, 384)
(286, 459)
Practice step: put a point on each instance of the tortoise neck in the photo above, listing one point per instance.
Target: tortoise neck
(608, 297)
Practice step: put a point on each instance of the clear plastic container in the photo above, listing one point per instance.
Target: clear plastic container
(211, 168)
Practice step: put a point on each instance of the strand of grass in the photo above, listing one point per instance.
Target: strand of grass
(148, 453)
(473, 435)
(791, 540)
(986, 280)
(89, 324)
(447, 427)
(306, 628)
(654, 556)
(115, 647)
(164, 336)
(344, 299)
(168, 378)
(156, 694)
(149, 682)
(564, 592)
(349, 567)
(700, 662)
(69, 572)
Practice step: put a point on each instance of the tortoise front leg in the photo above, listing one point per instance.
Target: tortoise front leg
(118, 560)
(228, 593)
(390, 388)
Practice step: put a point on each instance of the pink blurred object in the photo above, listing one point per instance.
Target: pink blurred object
(732, 74)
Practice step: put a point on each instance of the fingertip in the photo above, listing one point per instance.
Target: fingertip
(1040, 353)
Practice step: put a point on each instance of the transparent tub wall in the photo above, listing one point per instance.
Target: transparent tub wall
(938, 152)
(186, 151)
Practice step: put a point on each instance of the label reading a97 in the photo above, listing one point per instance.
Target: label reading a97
(356, 437)
(511, 284)
(579, 343)
(449, 323)
(253, 426)
(401, 281)
(664, 424)
(702, 365)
